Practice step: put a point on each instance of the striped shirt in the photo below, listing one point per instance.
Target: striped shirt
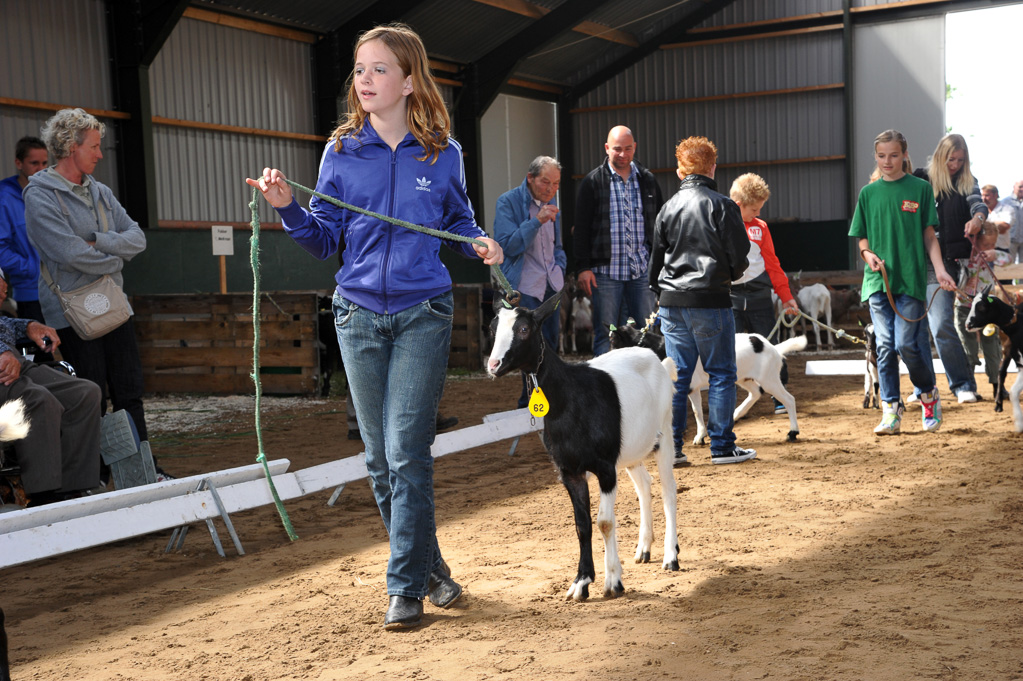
(629, 255)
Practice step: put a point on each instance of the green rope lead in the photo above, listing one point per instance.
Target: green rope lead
(254, 257)
(510, 294)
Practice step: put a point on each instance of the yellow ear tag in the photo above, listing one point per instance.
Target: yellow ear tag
(990, 330)
(538, 406)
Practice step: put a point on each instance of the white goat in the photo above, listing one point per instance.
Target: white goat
(581, 321)
(814, 301)
(606, 414)
(757, 368)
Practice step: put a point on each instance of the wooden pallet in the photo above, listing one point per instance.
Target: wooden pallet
(203, 342)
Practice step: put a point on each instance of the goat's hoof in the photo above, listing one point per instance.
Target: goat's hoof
(792, 435)
(615, 592)
(579, 591)
(672, 566)
(642, 556)
(998, 407)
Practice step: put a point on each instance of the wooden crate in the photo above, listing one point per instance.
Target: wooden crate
(466, 329)
(203, 342)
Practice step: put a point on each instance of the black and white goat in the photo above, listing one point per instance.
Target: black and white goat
(631, 336)
(871, 382)
(758, 368)
(611, 412)
(989, 309)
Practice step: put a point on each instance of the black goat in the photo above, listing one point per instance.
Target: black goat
(608, 413)
(629, 336)
(988, 309)
(871, 383)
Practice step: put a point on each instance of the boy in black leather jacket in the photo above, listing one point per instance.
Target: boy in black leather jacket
(699, 249)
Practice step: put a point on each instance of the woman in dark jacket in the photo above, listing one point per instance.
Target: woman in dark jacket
(961, 213)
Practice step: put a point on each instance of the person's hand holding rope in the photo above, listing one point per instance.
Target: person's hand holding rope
(274, 187)
(974, 226)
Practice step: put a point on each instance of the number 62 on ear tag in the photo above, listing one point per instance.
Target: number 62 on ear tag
(538, 403)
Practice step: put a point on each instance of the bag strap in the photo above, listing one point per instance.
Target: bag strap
(43, 270)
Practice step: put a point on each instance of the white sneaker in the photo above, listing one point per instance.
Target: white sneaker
(930, 405)
(966, 397)
(891, 419)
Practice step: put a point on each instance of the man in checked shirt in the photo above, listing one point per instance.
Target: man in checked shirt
(616, 206)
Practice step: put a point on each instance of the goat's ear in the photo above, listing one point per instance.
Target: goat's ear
(547, 308)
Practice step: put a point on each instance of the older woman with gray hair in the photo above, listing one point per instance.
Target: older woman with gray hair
(81, 233)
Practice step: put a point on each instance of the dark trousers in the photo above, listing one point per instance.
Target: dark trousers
(113, 363)
(61, 451)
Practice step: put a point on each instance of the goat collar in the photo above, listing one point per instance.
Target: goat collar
(532, 375)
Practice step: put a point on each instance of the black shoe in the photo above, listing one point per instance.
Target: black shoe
(445, 423)
(354, 434)
(403, 613)
(737, 455)
(681, 460)
(444, 591)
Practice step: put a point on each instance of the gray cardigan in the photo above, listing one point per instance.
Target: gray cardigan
(59, 226)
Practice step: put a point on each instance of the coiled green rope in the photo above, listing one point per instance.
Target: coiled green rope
(254, 258)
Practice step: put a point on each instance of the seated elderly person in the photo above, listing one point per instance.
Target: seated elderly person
(59, 458)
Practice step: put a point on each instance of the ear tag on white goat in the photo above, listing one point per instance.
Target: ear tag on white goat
(538, 406)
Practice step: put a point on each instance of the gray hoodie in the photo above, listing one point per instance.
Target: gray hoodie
(59, 226)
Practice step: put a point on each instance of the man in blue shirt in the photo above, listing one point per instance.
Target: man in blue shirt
(527, 224)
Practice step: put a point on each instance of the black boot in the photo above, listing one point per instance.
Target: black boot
(403, 613)
(444, 591)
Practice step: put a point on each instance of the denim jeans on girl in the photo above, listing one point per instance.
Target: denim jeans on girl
(898, 338)
(707, 334)
(396, 365)
(941, 319)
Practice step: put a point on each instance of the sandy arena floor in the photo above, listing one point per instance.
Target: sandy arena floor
(839, 557)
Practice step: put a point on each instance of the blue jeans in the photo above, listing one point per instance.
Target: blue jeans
(396, 365)
(610, 298)
(550, 330)
(707, 334)
(941, 319)
(899, 338)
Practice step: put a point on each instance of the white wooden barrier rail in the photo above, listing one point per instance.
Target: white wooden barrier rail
(32, 534)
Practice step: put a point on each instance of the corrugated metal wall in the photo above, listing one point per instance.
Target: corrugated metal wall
(749, 131)
(54, 51)
(215, 74)
(745, 11)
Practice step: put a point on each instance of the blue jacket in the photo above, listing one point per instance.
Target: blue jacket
(515, 231)
(387, 268)
(18, 259)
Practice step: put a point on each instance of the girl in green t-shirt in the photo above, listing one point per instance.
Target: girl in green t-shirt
(894, 222)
